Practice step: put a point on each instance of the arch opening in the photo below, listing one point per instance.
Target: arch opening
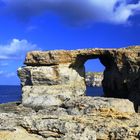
(93, 77)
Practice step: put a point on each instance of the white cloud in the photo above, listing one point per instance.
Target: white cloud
(77, 11)
(12, 53)
(16, 49)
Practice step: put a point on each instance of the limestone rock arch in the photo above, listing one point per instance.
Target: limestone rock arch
(51, 77)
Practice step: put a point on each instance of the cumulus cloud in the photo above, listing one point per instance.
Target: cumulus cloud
(16, 49)
(113, 11)
(12, 53)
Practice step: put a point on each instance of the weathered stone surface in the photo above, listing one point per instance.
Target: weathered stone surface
(15, 108)
(50, 75)
(54, 108)
(84, 127)
(98, 118)
(121, 75)
(59, 128)
(18, 134)
(71, 57)
(89, 105)
(50, 85)
(48, 58)
(43, 96)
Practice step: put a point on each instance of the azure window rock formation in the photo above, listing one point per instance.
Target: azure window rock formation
(53, 86)
(52, 77)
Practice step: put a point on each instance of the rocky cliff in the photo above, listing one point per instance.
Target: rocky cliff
(64, 72)
(94, 79)
(54, 105)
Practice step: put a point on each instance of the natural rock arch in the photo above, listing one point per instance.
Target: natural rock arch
(51, 77)
(94, 77)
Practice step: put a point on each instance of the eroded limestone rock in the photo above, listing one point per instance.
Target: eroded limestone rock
(90, 105)
(50, 75)
(98, 118)
(54, 106)
(122, 74)
(43, 96)
(18, 134)
(50, 85)
(63, 67)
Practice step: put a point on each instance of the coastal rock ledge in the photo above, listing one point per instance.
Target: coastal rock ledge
(81, 118)
(54, 105)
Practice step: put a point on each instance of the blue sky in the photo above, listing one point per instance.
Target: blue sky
(63, 24)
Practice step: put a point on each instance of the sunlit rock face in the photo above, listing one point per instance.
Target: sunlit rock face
(50, 85)
(62, 73)
(80, 118)
(54, 105)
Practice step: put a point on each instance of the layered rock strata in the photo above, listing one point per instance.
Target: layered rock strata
(63, 71)
(54, 106)
(81, 118)
(50, 85)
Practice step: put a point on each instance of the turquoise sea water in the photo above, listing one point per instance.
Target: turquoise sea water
(13, 93)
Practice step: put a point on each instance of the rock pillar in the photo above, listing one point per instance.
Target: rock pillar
(50, 84)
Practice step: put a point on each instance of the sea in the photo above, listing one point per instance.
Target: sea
(13, 93)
